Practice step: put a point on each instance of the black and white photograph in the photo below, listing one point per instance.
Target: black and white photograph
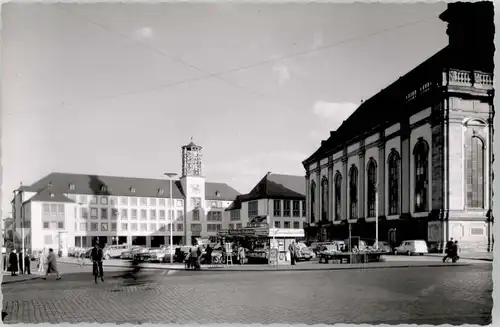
(247, 163)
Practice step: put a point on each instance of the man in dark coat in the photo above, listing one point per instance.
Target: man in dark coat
(27, 264)
(447, 250)
(21, 261)
(13, 263)
(96, 255)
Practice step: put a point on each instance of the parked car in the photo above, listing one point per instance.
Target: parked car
(115, 251)
(412, 247)
(305, 252)
(129, 254)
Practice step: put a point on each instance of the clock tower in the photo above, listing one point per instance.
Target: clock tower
(193, 184)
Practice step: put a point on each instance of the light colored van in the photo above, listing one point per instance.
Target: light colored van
(412, 247)
(115, 251)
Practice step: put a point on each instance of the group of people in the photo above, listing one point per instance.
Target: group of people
(46, 261)
(451, 250)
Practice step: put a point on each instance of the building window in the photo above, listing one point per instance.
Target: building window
(133, 201)
(287, 224)
(234, 215)
(393, 168)
(46, 209)
(144, 214)
(421, 153)
(124, 227)
(196, 227)
(277, 224)
(93, 199)
(152, 227)
(296, 208)
(179, 203)
(239, 225)
(144, 227)
(179, 214)
(133, 227)
(132, 190)
(104, 188)
(286, 208)
(113, 227)
(93, 227)
(84, 213)
(324, 199)
(214, 216)
(372, 187)
(124, 200)
(231, 226)
(113, 201)
(338, 196)
(477, 231)
(60, 209)
(83, 199)
(124, 214)
(53, 210)
(253, 209)
(296, 225)
(104, 200)
(104, 227)
(152, 202)
(213, 227)
(162, 227)
(104, 213)
(474, 161)
(93, 213)
(195, 202)
(161, 202)
(60, 225)
(72, 186)
(114, 214)
(353, 192)
(180, 227)
(196, 215)
(133, 214)
(83, 227)
(160, 191)
(46, 225)
(303, 208)
(152, 214)
(162, 214)
(277, 208)
(144, 201)
(313, 201)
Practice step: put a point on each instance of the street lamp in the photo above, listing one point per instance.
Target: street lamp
(170, 175)
(376, 214)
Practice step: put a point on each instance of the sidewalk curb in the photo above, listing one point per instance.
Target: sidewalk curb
(340, 267)
(465, 258)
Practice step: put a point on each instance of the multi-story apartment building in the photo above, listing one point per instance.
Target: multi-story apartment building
(417, 155)
(63, 210)
(279, 197)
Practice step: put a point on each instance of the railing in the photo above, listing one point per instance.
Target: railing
(475, 79)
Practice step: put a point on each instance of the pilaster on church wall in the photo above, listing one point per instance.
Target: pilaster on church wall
(392, 142)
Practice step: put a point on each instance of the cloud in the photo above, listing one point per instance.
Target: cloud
(144, 32)
(336, 113)
(283, 73)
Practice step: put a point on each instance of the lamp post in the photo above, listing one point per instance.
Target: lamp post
(171, 208)
(376, 214)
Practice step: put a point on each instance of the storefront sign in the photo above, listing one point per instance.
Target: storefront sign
(286, 232)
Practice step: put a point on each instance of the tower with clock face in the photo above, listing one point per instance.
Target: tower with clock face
(193, 184)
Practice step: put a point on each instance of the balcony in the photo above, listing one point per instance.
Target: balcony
(463, 78)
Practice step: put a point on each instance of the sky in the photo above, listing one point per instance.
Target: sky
(117, 89)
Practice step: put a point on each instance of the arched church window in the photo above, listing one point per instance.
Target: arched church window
(421, 175)
(338, 195)
(475, 169)
(393, 179)
(313, 201)
(324, 199)
(372, 185)
(353, 192)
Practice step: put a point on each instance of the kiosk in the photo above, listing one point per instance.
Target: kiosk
(264, 244)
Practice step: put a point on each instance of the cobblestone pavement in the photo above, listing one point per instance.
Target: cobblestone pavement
(422, 295)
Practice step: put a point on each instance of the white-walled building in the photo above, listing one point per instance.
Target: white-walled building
(64, 210)
(280, 197)
(426, 141)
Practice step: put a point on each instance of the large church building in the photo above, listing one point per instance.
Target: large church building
(417, 155)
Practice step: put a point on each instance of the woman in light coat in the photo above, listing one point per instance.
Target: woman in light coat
(52, 264)
(41, 260)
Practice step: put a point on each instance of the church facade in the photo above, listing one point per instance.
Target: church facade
(416, 156)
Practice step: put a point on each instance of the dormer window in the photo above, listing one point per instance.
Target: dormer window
(72, 186)
(49, 185)
(217, 194)
(160, 191)
(104, 188)
(132, 190)
(51, 195)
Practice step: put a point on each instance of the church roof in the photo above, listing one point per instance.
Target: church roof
(125, 186)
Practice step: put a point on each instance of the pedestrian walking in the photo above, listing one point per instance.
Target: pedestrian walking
(447, 249)
(21, 262)
(27, 264)
(13, 264)
(241, 255)
(42, 260)
(454, 252)
(81, 258)
(208, 255)
(293, 252)
(52, 265)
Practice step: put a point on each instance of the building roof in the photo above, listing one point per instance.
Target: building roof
(49, 195)
(125, 186)
(273, 186)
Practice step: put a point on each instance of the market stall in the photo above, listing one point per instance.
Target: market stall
(263, 244)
